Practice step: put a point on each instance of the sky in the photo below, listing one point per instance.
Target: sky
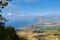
(24, 12)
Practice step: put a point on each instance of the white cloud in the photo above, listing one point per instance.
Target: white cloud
(15, 14)
(9, 14)
(23, 14)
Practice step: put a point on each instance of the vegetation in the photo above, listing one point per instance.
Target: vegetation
(3, 4)
(41, 32)
(49, 35)
(7, 33)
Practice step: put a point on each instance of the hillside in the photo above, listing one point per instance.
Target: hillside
(49, 35)
(40, 32)
(45, 23)
(46, 29)
(38, 28)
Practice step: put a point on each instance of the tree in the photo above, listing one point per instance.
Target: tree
(3, 4)
(7, 33)
(2, 27)
(11, 34)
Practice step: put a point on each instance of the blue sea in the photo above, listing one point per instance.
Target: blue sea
(17, 23)
(20, 24)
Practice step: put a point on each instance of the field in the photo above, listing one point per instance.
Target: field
(50, 35)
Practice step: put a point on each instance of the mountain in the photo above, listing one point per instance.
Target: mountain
(45, 23)
(47, 28)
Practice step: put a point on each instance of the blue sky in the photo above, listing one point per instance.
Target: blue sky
(29, 9)
(34, 7)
